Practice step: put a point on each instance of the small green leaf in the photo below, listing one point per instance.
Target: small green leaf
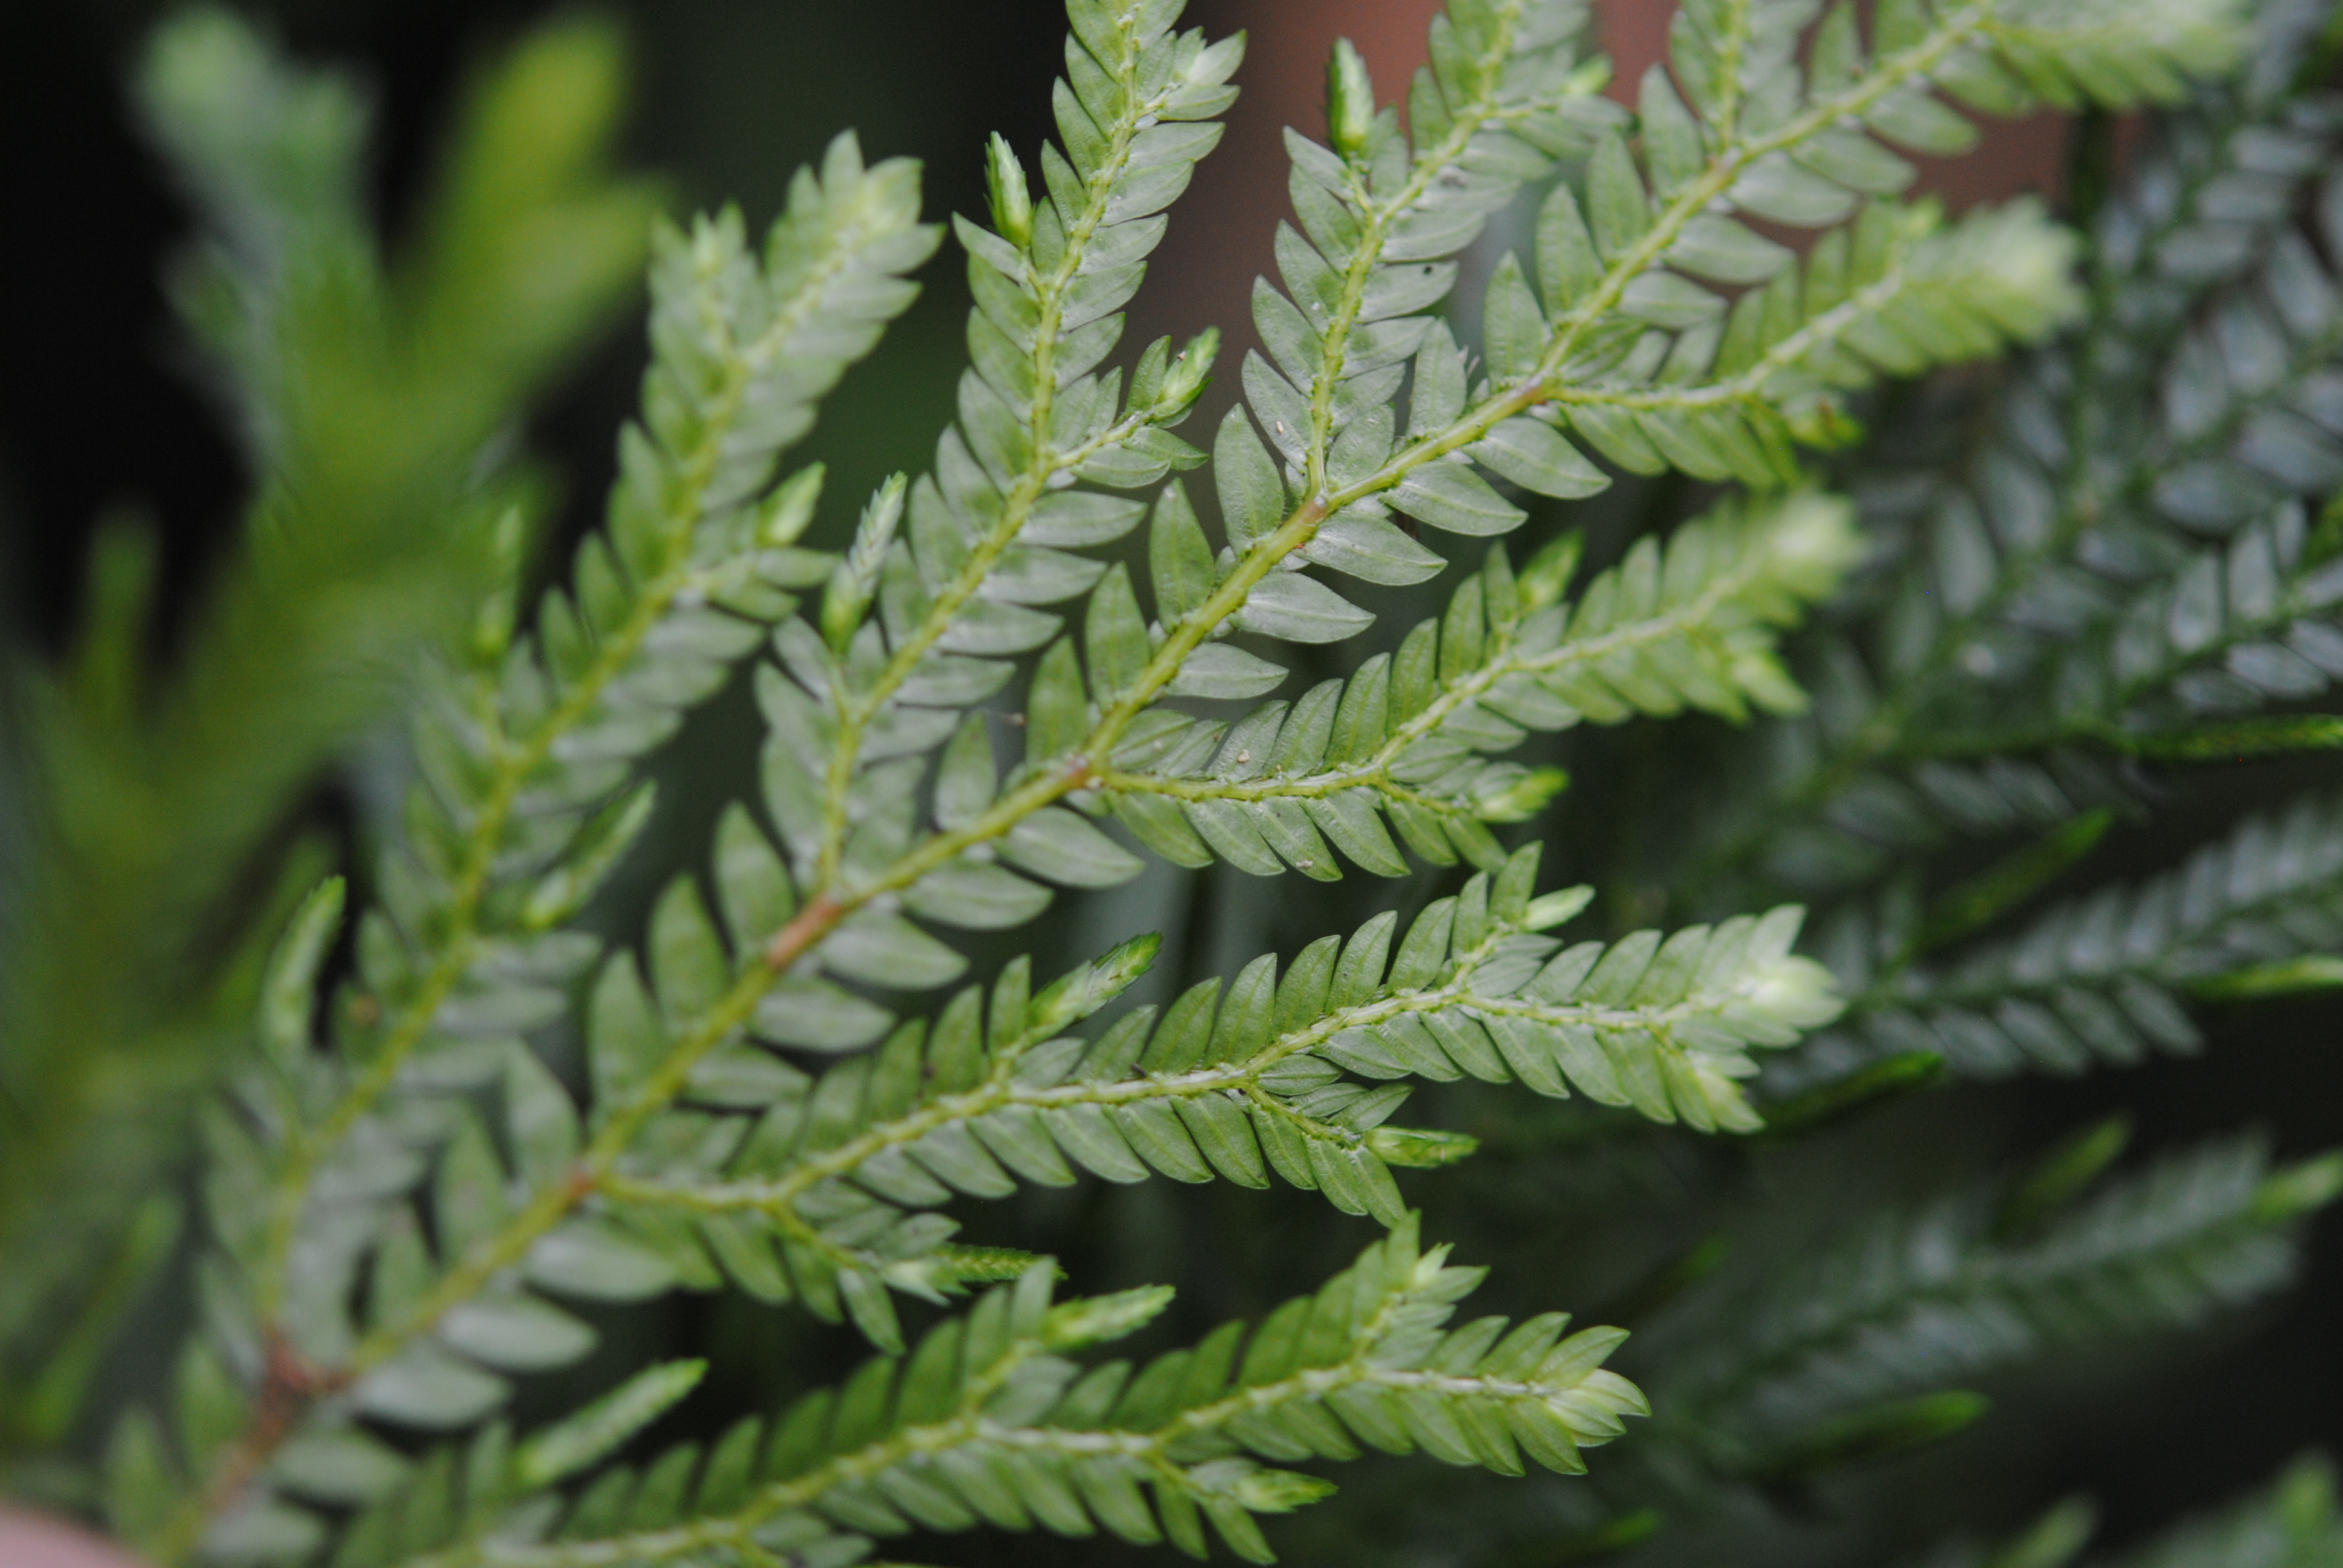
(1216, 670)
(341, 1465)
(1056, 714)
(1615, 202)
(289, 992)
(429, 1388)
(1012, 200)
(1671, 138)
(751, 886)
(966, 780)
(1568, 266)
(1055, 843)
(1252, 496)
(1449, 496)
(1438, 395)
(1372, 549)
(1528, 452)
(1350, 99)
(1513, 330)
(626, 1040)
(1098, 1319)
(1114, 637)
(1300, 608)
(1179, 559)
(516, 1333)
(597, 1261)
(886, 949)
(819, 1016)
(1730, 252)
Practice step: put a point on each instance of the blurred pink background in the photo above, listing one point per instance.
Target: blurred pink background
(27, 1541)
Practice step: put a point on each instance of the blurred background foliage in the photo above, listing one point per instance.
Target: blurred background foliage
(103, 420)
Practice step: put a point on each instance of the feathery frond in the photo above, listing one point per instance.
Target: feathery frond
(987, 1422)
(1915, 1300)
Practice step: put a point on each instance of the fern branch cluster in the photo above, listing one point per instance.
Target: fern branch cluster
(1000, 686)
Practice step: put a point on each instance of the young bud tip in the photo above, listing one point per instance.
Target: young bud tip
(1350, 99)
(1012, 200)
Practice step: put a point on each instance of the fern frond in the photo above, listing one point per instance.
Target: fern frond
(702, 1156)
(956, 578)
(814, 1194)
(1614, 319)
(275, 156)
(853, 823)
(1895, 293)
(988, 1421)
(2061, 594)
(1756, 138)
(522, 754)
(1689, 626)
(2101, 979)
(517, 821)
(1916, 1299)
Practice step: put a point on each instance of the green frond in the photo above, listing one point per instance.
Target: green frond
(2100, 979)
(846, 770)
(1504, 99)
(2237, 628)
(413, 1216)
(1409, 737)
(1895, 293)
(814, 1188)
(275, 156)
(989, 536)
(1619, 350)
(2123, 558)
(524, 751)
(987, 1423)
(1914, 1301)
